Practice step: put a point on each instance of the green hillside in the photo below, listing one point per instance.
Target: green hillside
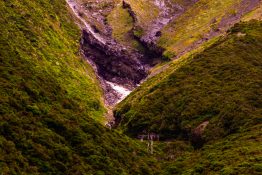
(222, 86)
(238, 154)
(206, 106)
(122, 24)
(202, 18)
(51, 103)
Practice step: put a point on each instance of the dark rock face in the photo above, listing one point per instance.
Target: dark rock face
(114, 63)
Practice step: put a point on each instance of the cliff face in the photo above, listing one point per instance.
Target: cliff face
(114, 65)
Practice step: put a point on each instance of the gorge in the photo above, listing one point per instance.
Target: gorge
(108, 87)
(119, 69)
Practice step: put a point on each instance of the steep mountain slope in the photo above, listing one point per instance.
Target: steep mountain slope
(206, 108)
(212, 99)
(238, 153)
(135, 35)
(225, 77)
(204, 20)
(123, 68)
(175, 27)
(51, 103)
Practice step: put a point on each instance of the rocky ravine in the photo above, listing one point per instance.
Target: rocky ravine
(119, 70)
(168, 11)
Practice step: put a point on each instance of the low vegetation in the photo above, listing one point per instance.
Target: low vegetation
(239, 153)
(221, 85)
(51, 109)
(145, 10)
(122, 24)
(51, 105)
(200, 19)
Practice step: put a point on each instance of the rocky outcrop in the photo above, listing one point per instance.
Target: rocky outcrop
(197, 135)
(117, 67)
(130, 11)
(150, 46)
(114, 63)
(148, 36)
(168, 12)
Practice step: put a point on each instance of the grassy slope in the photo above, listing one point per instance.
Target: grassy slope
(54, 54)
(193, 25)
(50, 99)
(197, 21)
(254, 14)
(236, 154)
(221, 85)
(122, 24)
(145, 10)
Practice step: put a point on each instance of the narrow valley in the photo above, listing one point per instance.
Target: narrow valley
(130, 87)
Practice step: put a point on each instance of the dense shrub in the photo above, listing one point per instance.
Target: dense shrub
(50, 101)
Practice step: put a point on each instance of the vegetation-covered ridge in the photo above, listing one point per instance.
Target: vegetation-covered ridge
(50, 104)
(211, 99)
(221, 85)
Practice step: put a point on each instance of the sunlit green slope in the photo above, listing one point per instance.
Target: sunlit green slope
(51, 103)
(221, 85)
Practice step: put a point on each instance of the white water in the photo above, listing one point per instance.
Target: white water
(75, 8)
(124, 92)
